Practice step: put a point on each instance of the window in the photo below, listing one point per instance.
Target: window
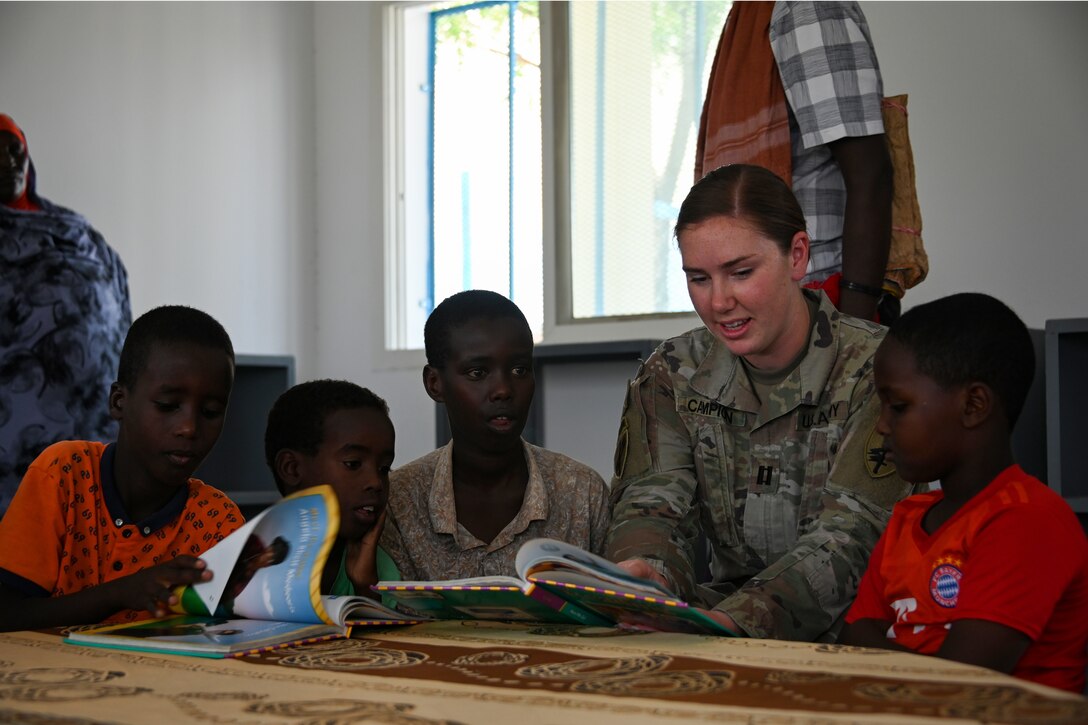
(541, 150)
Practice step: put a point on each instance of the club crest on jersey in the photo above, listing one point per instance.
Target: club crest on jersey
(944, 584)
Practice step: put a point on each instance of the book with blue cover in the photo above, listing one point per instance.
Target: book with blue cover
(264, 591)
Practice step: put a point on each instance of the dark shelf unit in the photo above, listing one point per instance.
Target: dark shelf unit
(1066, 401)
(236, 465)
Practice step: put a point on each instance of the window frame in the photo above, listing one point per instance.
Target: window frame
(559, 324)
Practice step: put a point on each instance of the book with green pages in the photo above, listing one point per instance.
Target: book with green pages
(499, 598)
(556, 582)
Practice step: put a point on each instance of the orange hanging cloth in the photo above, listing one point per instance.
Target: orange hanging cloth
(745, 117)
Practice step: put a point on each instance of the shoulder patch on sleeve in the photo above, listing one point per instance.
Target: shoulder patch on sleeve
(622, 442)
(861, 466)
(875, 462)
(633, 456)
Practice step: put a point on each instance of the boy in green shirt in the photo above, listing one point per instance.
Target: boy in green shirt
(337, 433)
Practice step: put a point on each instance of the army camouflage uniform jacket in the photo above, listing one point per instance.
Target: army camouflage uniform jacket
(791, 500)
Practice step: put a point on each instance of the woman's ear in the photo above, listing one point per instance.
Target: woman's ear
(432, 383)
(798, 255)
(289, 470)
(978, 404)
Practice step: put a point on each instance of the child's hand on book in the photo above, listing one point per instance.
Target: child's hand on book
(361, 561)
(153, 588)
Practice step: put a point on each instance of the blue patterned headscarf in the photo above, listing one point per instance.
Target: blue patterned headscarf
(64, 313)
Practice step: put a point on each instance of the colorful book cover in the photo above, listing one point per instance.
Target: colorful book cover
(204, 636)
(634, 610)
(556, 582)
(265, 590)
(602, 587)
(490, 598)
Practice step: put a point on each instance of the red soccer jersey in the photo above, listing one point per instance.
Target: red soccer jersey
(1015, 554)
(66, 528)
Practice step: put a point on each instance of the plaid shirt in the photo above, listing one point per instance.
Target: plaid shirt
(832, 81)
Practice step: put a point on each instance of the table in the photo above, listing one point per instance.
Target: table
(513, 674)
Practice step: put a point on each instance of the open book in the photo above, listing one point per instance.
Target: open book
(264, 593)
(556, 582)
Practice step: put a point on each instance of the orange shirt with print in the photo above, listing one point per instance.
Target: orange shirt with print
(66, 528)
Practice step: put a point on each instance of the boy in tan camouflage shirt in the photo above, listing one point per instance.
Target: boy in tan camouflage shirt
(465, 509)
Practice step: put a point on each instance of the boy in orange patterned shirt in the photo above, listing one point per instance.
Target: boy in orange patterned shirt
(992, 569)
(100, 531)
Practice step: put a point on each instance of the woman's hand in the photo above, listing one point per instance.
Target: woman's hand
(723, 619)
(642, 569)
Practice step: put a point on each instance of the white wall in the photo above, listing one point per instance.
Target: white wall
(998, 102)
(249, 135)
(185, 133)
(349, 201)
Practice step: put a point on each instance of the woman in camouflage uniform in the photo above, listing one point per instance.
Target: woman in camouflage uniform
(752, 438)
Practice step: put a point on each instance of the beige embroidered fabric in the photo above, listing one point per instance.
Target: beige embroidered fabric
(564, 500)
(476, 672)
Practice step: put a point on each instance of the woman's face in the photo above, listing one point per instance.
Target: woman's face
(745, 289)
(14, 163)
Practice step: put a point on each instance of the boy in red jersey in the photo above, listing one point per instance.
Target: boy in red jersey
(992, 569)
(101, 531)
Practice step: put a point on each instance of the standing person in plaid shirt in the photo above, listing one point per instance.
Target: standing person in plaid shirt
(796, 88)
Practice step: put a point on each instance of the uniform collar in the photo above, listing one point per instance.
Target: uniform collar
(119, 516)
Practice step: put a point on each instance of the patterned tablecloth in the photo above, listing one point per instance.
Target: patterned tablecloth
(512, 675)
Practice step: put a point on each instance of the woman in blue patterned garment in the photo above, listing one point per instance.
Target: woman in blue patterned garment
(64, 312)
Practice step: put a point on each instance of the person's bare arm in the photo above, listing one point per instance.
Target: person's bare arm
(971, 641)
(361, 560)
(984, 643)
(869, 633)
(866, 234)
(150, 589)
